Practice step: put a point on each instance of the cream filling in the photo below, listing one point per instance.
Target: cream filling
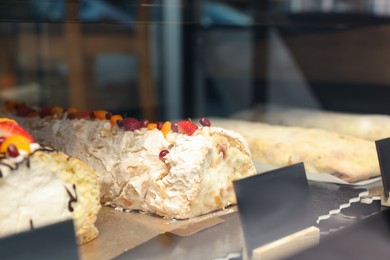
(32, 197)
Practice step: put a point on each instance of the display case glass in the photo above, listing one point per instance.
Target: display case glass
(172, 59)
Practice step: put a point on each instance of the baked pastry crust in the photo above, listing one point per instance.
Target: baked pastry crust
(349, 158)
(367, 126)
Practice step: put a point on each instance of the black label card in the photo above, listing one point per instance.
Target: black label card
(274, 204)
(55, 241)
(383, 150)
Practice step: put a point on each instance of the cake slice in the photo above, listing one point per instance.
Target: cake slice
(175, 170)
(40, 186)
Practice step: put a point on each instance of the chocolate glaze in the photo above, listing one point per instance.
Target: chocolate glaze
(71, 197)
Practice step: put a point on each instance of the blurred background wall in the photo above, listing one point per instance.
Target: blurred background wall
(170, 59)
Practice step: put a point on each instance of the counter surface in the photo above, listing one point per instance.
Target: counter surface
(226, 241)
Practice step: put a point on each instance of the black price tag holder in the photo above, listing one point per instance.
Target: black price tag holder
(276, 213)
(383, 151)
(56, 241)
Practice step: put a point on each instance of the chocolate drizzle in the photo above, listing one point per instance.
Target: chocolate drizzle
(10, 164)
(15, 165)
(28, 162)
(71, 197)
(44, 148)
(31, 224)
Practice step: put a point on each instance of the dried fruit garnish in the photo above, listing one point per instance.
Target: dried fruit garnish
(163, 153)
(166, 128)
(205, 122)
(186, 127)
(8, 128)
(14, 143)
(131, 124)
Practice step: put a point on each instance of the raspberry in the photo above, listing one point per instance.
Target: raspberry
(131, 124)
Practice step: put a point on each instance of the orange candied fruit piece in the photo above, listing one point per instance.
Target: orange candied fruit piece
(100, 114)
(72, 110)
(82, 114)
(114, 119)
(166, 128)
(21, 142)
(57, 110)
(151, 126)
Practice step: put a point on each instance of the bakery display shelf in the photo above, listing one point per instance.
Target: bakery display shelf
(226, 241)
(219, 235)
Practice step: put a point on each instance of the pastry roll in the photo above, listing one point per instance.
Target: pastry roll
(175, 170)
(366, 126)
(349, 158)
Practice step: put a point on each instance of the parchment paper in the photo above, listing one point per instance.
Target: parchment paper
(122, 231)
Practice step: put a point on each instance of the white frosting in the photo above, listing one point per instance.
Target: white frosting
(193, 178)
(33, 194)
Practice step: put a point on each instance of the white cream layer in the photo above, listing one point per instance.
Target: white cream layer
(32, 196)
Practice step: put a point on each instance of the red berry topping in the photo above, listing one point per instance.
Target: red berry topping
(12, 151)
(45, 112)
(8, 128)
(131, 124)
(174, 127)
(163, 153)
(92, 115)
(144, 123)
(186, 127)
(22, 110)
(83, 114)
(108, 115)
(159, 125)
(204, 122)
(72, 116)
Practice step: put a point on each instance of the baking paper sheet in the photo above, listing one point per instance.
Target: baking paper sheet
(320, 177)
(122, 231)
